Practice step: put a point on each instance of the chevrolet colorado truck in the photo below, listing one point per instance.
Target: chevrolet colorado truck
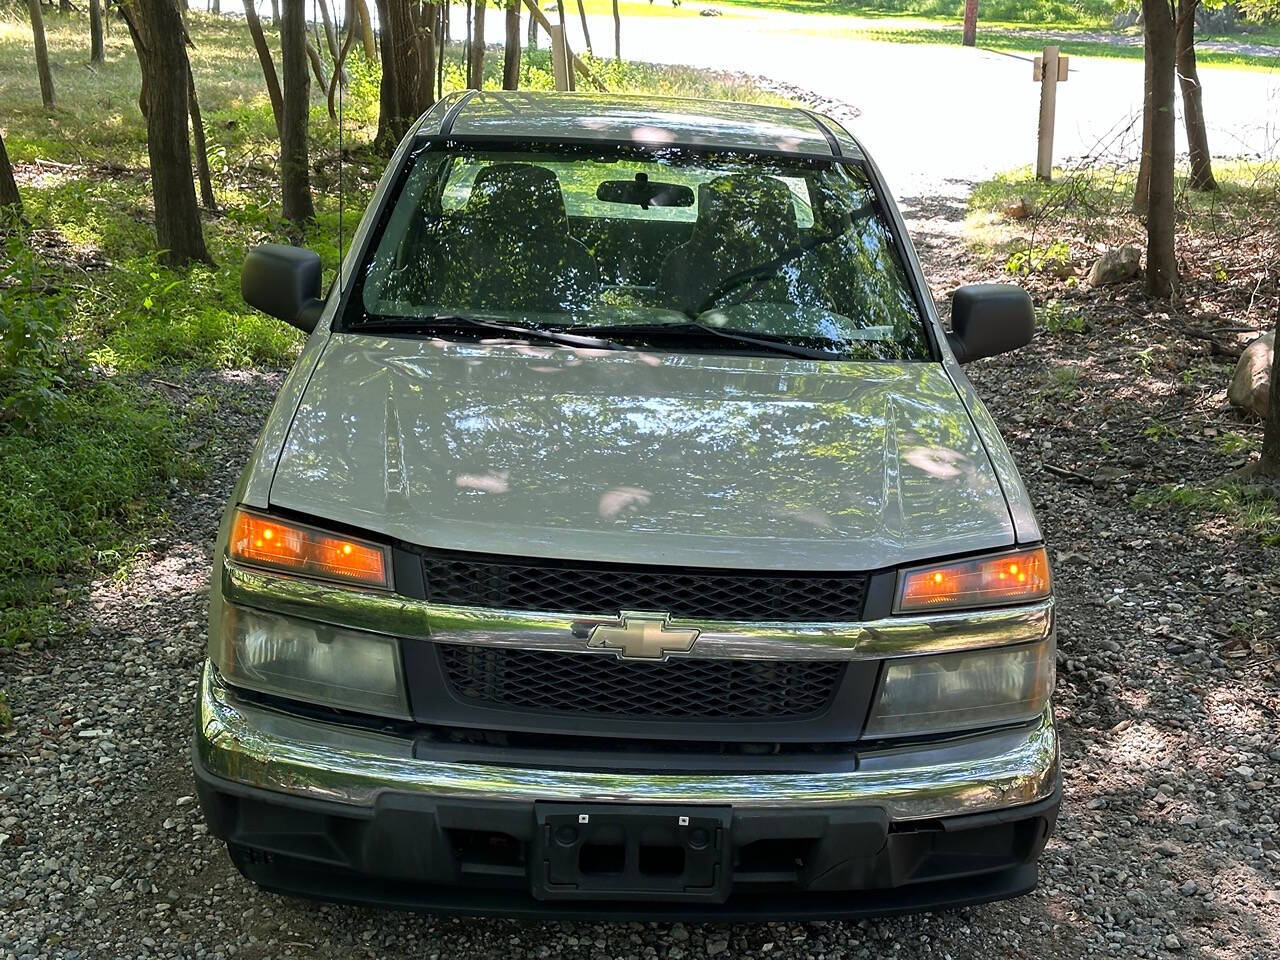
(628, 541)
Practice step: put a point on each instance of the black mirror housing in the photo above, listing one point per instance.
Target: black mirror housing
(990, 318)
(283, 282)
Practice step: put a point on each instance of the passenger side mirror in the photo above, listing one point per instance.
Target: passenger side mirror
(283, 282)
(990, 318)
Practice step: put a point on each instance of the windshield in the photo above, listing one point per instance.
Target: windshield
(670, 247)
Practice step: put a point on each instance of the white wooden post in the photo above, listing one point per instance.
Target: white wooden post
(560, 57)
(1050, 70)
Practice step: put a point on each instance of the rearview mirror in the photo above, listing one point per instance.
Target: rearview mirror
(990, 318)
(645, 193)
(283, 282)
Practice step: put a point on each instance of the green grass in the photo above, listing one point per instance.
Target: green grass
(1082, 13)
(1082, 210)
(991, 37)
(86, 451)
(1243, 507)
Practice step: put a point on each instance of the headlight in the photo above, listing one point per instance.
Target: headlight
(962, 691)
(998, 580)
(305, 660)
(276, 544)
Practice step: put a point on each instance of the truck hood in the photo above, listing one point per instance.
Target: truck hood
(644, 457)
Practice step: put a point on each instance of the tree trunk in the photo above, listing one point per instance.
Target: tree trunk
(1192, 104)
(586, 33)
(275, 13)
(264, 58)
(295, 177)
(366, 30)
(511, 48)
(9, 196)
(97, 53)
(475, 69)
(42, 53)
(408, 68)
(617, 32)
(533, 29)
(1143, 185)
(317, 65)
(331, 38)
(1162, 268)
(202, 151)
(158, 39)
(1269, 465)
(970, 23)
(64, 6)
(216, 7)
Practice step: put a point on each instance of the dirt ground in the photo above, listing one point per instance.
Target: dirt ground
(1167, 700)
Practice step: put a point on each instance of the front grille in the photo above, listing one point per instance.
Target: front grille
(607, 589)
(601, 685)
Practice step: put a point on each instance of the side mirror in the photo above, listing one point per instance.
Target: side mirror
(990, 318)
(283, 282)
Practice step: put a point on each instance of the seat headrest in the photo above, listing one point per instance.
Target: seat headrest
(519, 197)
(746, 208)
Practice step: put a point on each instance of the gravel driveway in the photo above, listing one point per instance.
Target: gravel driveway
(1167, 702)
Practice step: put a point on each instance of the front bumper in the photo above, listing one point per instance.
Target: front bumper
(326, 810)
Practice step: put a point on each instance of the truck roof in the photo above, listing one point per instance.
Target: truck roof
(644, 120)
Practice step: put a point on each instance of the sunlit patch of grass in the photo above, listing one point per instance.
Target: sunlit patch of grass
(1247, 508)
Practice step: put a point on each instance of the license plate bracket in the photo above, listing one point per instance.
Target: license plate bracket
(607, 851)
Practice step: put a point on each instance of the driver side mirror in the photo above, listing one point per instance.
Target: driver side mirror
(990, 318)
(284, 282)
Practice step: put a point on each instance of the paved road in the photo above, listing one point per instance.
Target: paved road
(932, 113)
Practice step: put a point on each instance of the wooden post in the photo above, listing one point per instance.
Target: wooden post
(559, 57)
(574, 59)
(1050, 70)
(970, 22)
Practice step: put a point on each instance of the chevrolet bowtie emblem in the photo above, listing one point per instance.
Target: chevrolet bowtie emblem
(642, 636)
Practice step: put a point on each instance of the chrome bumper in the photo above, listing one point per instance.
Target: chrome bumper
(273, 750)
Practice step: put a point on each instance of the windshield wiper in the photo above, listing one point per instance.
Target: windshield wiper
(762, 271)
(764, 341)
(439, 323)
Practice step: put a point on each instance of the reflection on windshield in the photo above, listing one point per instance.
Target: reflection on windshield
(578, 238)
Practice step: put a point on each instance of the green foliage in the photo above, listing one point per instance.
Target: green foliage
(1057, 317)
(77, 490)
(32, 359)
(1047, 259)
(1243, 507)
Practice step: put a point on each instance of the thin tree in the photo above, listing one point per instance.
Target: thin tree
(475, 61)
(366, 30)
(1269, 465)
(970, 23)
(617, 32)
(511, 48)
(9, 196)
(201, 148)
(268, 65)
(42, 53)
(1201, 173)
(159, 39)
(295, 177)
(586, 33)
(97, 53)
(1160, 24)
(331, 38)
(1143, 184)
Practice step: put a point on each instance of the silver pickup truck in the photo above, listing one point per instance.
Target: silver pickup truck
(628, 541)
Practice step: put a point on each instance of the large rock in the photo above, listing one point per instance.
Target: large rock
(1115, 266)
(1251, 386)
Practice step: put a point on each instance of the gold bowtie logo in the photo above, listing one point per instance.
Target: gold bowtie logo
(642, 636)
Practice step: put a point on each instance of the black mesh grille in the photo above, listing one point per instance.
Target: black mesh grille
(608, 589)
(602, 685)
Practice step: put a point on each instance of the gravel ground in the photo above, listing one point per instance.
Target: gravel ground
(1167, 702)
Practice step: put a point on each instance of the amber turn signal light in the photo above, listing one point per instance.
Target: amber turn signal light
(293, 548)
(983, 582)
